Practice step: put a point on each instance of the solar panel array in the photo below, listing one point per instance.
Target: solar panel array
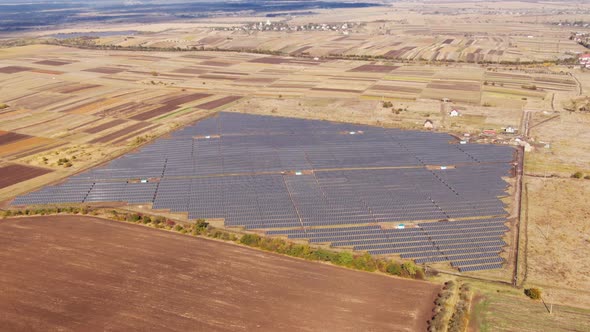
(296, 175)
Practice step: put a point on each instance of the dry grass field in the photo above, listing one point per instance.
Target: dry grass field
(102, 103)
(83, 273)
(559, 239)
(502, 308)
(510, 31)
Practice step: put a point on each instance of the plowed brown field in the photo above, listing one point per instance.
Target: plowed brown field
(89, 274)
(13, 174)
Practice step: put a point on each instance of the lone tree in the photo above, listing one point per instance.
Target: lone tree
(533, 293)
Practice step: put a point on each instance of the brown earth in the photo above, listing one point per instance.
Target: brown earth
(23, 145)
(9, 137)
(154, 112)
(48, 72)
(219, 102)
(104, 70)
(104, 126)
(53, 62)
(120, 133)
(13, 69)
(13, 174)
(89, 274)
(374, 69)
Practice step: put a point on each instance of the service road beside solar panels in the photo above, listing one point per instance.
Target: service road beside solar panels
(419, 195)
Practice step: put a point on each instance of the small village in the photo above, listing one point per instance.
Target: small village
(344, 28)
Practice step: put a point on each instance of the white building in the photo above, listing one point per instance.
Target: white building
(510, 130)
(454, 113)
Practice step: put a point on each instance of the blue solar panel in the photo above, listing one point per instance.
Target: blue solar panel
(313, 180)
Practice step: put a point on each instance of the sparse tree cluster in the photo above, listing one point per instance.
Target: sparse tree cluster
(460, 318)
(364, 262)
(438, 321)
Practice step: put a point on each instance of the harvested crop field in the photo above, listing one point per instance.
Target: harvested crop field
(7, 138)
(219, 102)
(120, 133)
(104, 126)
(105, 70)
(99, 274)
(374, 69)
(13, 174)
(53, 62)
(13, 69)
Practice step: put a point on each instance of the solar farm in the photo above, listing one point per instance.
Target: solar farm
(349, 186)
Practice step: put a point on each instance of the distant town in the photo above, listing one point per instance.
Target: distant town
(344, 28)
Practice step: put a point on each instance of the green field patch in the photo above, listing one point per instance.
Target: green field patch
(502, 92)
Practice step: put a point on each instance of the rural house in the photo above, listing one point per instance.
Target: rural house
(428, 124)
(510, 130)
(489, 132)
(454, 113)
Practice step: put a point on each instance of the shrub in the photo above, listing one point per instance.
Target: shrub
(577, 175)
(394, 268)
(410, 268)
(533, 293)
(178, 228)
(364, 262)
(529, 87)
(344, 258)
(146, 220)
(587, 177)
(324, 255)
(419, 274)
(250, 239)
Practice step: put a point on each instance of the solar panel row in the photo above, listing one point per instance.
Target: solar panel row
(244, 169)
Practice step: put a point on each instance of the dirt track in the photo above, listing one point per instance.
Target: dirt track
(88, 274)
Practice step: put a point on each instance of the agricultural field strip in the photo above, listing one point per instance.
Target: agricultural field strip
(200, 266)
(243, 169)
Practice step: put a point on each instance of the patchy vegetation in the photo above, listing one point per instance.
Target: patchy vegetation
(441, 310)
(533, 293)
(460, 318)
(363, 262)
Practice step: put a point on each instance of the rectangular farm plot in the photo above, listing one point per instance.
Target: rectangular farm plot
(105, 70)
(13, 174)
(10, 137)
(120, 133)
(13, 69)
(53, 62)
(160, 110)
(219, 102)
(104, 126)
(323, 297)
(374, 69)
(464, 91)
(72, 88)
(23, 145)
